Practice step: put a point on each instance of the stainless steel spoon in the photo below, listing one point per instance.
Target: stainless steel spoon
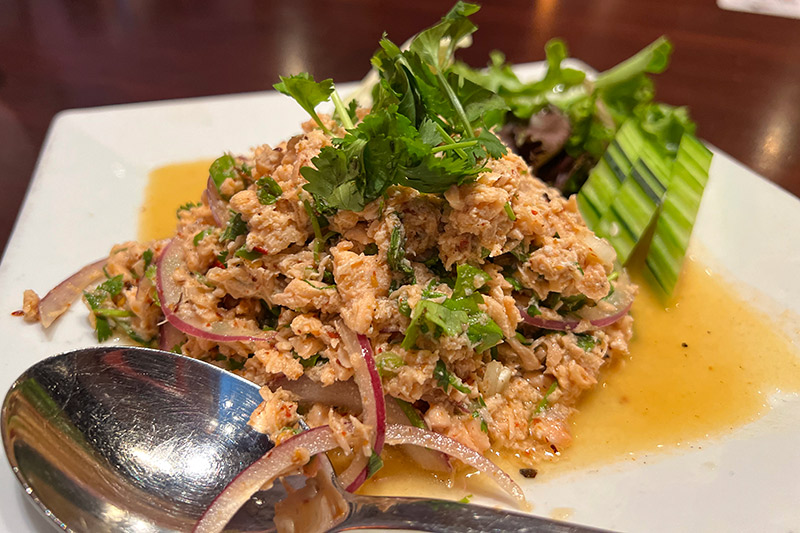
(132, 439)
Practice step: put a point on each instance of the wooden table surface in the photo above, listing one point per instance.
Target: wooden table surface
(739, 73)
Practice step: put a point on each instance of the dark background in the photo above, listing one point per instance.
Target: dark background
(739, 73)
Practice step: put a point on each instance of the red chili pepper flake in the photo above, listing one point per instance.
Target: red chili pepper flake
(18, 313)
(534, 211)
(333, 335)
(218, 264)
(262, 251)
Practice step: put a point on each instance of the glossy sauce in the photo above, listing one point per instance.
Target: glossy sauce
(168, 188)
(698, 367)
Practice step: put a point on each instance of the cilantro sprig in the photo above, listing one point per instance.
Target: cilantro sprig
(422, 130)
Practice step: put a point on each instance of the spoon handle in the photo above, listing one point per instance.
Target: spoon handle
(443, 516)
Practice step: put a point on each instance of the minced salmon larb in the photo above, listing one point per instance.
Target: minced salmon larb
(438, 284)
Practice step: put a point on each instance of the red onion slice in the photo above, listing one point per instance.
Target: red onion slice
(171, 294)
(218, 208)
(279, 461)
(429, 460)
(620, 303)
(399, 434)
(373, 405)
(342, 394)
(58, 300)
(169, 337)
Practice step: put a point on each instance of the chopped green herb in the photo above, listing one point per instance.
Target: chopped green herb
(403, 307)
(185, 207)
(222, 168)
(543, 403)
(147, 255)
(314, 360)
(236, 226)
(201, 235)
(446, 379)
(235, 364)
(522, 339)
(510, 212)
(250, 255)
(388, 363)
(585, 341)
(515, 284)
(468, 280)
(396, 256)
(375, 464)
(411, 413)
(115, 313)
(371, 249)
(268, 190)
(320, 287)
(533, 306)
(465, 499)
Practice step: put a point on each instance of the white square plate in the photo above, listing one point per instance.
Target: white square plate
(86, 194)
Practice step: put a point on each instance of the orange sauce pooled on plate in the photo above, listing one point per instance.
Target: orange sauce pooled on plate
(699, 366)
(168, 188)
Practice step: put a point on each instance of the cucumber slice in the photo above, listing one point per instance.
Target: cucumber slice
(679, 211)
(610, 173)
(633, 208)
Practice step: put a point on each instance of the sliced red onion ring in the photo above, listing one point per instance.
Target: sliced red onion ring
(218, 208)
(169, 336)
(171, 295)
(373, 406)
(58, 300)
(620, 303)
(279, 461)
(429, 460)
(399, 434)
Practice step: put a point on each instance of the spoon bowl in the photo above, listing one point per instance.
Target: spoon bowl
(128, 439)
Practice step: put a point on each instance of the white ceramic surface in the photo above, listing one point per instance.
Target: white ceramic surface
(86, 194)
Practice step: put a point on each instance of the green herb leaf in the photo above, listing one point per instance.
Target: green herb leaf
(307, 92)
(236, 226)
(388, 363)
(223, 168)
(185, 207)
(201, 235)
(446, 379)
(268, 190)
(250, 255)
(544, 403)
(411, 413)
(396, 256)
(375, 463)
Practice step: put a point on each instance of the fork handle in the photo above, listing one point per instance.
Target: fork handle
(442, 516)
